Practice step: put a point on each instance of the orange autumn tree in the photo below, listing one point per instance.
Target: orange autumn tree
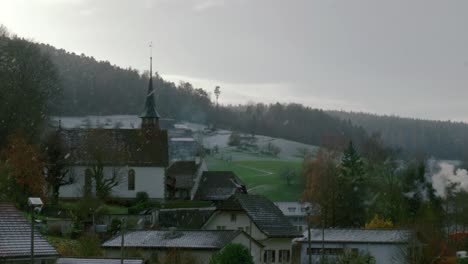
(321, 176)
(379, 223)
(321, 185)
(21, 170)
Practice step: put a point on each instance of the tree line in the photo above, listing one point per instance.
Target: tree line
(358, 189)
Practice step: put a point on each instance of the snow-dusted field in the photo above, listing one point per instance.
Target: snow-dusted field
(289, 149)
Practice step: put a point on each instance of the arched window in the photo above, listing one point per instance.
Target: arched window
(131, 180)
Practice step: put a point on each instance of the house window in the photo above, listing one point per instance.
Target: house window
(131, 180)
(233, 217)
(292, 209)
(247, 229)
(284, 256)
(269, 256)
(326, 251)
(221, 227)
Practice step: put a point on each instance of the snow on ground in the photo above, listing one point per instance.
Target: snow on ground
(289, 149)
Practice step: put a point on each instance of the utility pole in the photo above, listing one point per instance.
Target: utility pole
(323, 240)
(309, 249)
(122, 228)
(32, 235)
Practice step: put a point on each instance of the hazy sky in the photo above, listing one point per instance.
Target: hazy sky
(405, 57)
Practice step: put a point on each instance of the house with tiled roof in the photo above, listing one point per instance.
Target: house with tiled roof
(15, 239)
(217, 186)
(261, 219)
(181, 178)
(387, 246)
(135, 158)
(195, 245)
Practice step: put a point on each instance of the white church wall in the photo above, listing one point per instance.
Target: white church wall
(147, 179)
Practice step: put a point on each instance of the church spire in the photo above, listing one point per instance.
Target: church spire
(150, 117)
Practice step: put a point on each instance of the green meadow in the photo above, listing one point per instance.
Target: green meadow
(263, 177)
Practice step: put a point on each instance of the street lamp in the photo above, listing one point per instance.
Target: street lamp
(35, 203)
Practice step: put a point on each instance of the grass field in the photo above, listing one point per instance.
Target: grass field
(262, 177)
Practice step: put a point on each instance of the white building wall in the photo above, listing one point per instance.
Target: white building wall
(255, 249)
(223, 219)
(147, 179)
(383, 253)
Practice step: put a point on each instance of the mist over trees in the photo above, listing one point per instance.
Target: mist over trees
(416, 137)
(89, 87)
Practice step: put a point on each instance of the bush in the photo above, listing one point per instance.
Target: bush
(55, 229)
(142, 198)
(350, 257)
(232, 254)
(89, 246)
(115, 226)
(234, 139)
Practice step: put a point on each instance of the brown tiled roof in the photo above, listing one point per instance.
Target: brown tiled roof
(15, 236)
(131, 147)
(218, 185)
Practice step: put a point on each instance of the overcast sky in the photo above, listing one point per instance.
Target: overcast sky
(405, 57)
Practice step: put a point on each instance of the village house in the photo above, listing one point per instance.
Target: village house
(15, 239)
(261, 219)
(296, 212)
(217, 186)
(386, 246)
(136, 159)
(197, 246)
(181, 177)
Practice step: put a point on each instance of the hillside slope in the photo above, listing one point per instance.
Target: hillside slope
(417, 137)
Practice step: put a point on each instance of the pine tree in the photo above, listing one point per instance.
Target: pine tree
(352, 189)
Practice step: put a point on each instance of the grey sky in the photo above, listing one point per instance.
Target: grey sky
(405, 57)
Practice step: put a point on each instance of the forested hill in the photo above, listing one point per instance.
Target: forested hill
(92, 87)
(442, 139)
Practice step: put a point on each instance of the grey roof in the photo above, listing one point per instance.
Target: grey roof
(186, 218)
(97, 261)
(266, 216)
(15, 236)
(219, 185)
(194, 239)
(182, 173)
(132, 147)
(360, 236)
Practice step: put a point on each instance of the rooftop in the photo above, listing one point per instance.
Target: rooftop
(266, 216)
(218, 185)
(97, 261)
(116, 146)
(15, 236)
(360, 236)
(194, 239)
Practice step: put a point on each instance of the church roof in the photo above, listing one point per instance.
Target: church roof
(132, 147)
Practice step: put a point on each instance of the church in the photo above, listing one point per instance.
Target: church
(130, 160)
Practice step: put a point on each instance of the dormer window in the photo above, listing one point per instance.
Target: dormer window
(131, 180)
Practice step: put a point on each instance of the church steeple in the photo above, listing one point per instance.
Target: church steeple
(150, 117)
